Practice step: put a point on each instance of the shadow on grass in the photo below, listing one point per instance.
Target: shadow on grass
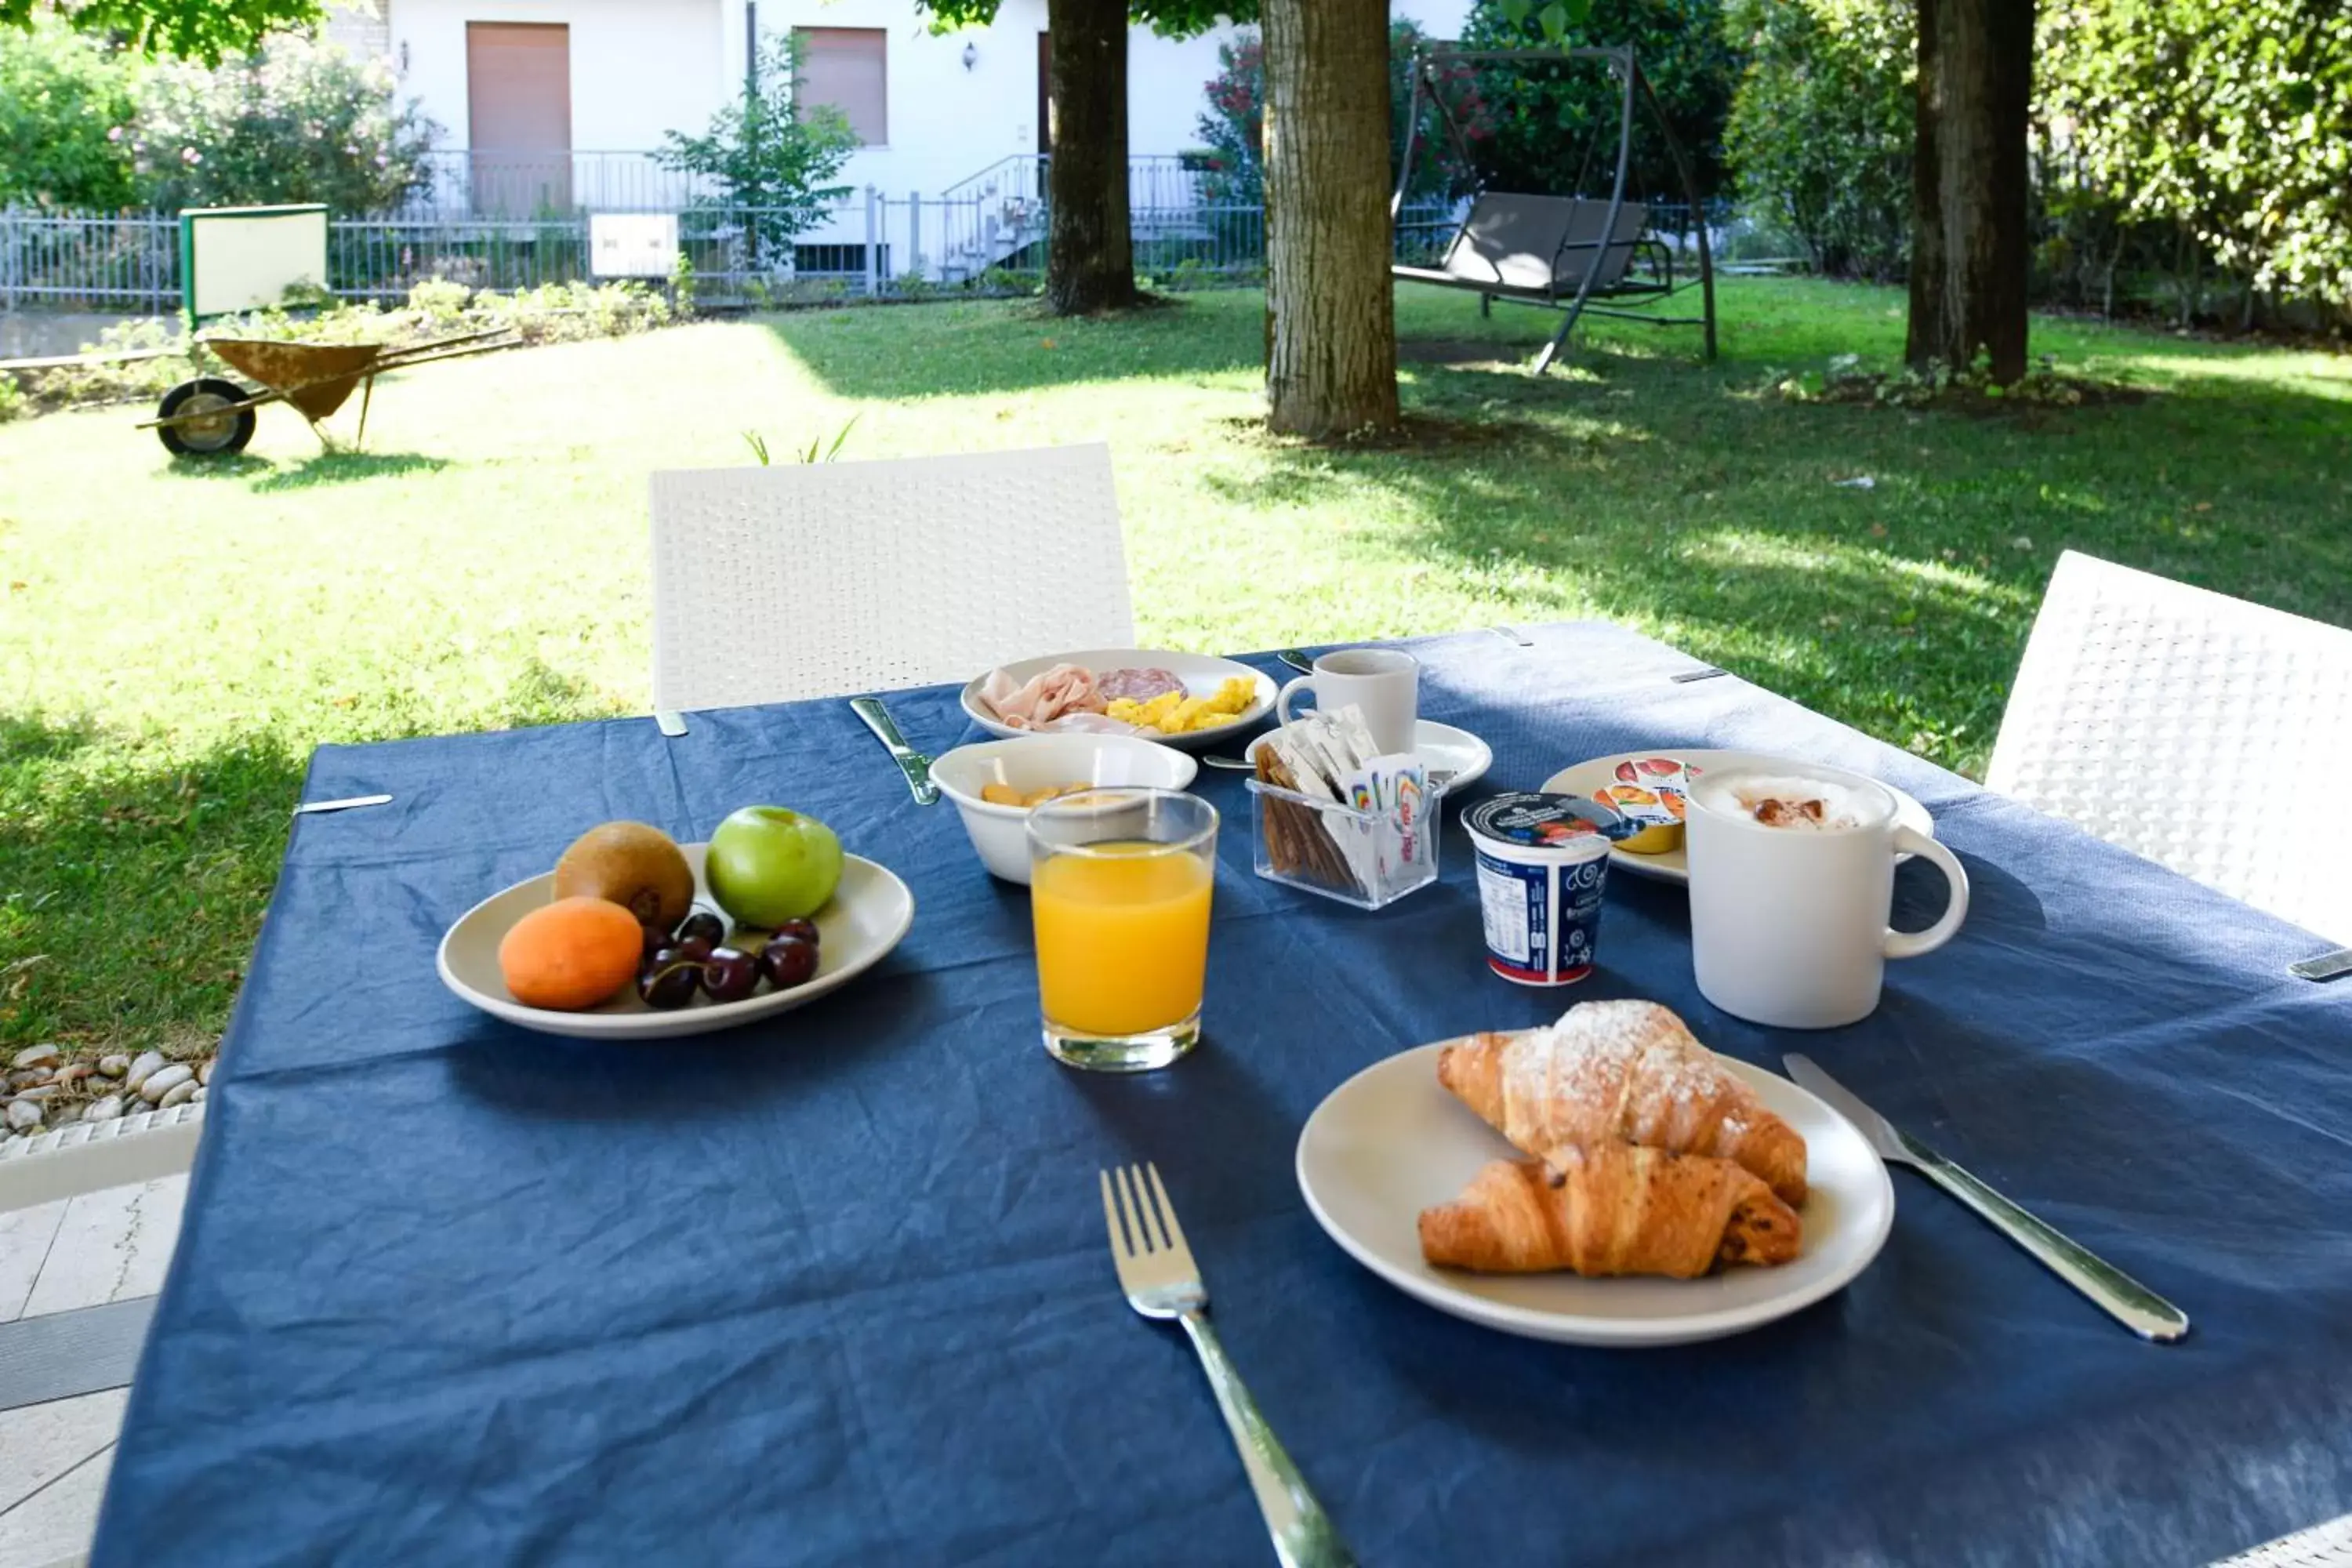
(130, 891)
(1677, 496)
(347, 468)
(221, 466)
(542, 694)
(961, 350)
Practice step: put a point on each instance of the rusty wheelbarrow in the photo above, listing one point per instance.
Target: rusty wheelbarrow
(210, 416)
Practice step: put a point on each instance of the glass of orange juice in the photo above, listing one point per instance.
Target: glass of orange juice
(1119, 882)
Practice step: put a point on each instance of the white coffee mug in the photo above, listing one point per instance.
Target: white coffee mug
(1789, 924)
(1381, 683)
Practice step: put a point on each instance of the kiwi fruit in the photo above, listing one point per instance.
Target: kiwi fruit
(639, 868)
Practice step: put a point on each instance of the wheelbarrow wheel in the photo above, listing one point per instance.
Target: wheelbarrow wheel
(210, 423)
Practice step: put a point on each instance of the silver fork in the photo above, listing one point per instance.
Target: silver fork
(1156, 1270)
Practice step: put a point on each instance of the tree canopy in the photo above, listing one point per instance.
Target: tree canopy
(193, 29)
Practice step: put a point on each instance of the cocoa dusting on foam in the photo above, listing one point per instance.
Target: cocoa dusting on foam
(1774, 812)
(1801, 804)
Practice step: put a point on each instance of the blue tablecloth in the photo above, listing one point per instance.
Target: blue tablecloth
(835, 1290)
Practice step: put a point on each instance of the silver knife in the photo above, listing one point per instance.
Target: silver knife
(309, 806)
(2117, 1293)
(912, 763)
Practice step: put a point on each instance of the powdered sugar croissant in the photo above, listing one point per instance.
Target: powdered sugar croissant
(1621, 1072)
(1616, 1209)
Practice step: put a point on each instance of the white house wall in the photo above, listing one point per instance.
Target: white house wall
(639, 68)
(644, 68)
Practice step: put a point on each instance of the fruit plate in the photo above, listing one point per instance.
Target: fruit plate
(869, 912)
(1671, 865)
(1201, 674)
(1391, 1141)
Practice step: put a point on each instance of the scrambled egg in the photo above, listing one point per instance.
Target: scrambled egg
(1176, 713)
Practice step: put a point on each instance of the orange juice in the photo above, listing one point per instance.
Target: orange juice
(1122, 937)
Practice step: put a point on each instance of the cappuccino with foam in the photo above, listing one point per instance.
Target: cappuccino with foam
(1789, 928)
(1790, 800)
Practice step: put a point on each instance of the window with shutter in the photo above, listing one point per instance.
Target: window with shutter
(844, 67)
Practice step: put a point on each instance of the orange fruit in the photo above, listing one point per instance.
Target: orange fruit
(572, 955)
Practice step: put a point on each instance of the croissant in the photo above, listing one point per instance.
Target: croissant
(1621, 1071)
(1616, 1209)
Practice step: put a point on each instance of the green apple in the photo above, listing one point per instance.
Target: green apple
(767, 865)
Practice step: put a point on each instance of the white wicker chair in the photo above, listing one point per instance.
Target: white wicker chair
(2325, 1545)
(773, 583)
(2210, 735)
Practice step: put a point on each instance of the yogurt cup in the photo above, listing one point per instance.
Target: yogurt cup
(1542, 861)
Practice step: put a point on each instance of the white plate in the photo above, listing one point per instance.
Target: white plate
(1200, 673)
(1391, 1141)
(1671, 867)
(868, 913)
(1439, 746)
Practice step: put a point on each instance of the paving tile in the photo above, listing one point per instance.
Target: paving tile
(110, 1245)
(25, 1237)
(54, 1526)
(39, 1443)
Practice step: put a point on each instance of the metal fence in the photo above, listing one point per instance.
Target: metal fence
(990, 240)
(460, 184)
(90, 262)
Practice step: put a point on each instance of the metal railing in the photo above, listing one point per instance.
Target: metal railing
(89, 261)
(526, 186)
(874, 246)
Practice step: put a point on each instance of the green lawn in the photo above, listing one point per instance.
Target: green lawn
(174, 639)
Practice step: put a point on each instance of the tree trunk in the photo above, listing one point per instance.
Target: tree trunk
(1330, 366)
(1970, 247)
(1090, 252)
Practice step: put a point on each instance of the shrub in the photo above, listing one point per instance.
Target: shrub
(2251, 169)
(1820, 129)
(558, 312)
(1555, 126)
(769, 156)
(298, 122)
(65, 102)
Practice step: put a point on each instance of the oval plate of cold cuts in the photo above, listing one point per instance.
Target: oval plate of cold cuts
(1090, 690)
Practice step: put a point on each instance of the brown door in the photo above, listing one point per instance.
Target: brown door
(1045, 93)
(519, 116)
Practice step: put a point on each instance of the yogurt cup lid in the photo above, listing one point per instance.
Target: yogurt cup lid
(1536, 821)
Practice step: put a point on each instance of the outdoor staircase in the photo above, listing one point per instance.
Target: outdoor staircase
(992, 216)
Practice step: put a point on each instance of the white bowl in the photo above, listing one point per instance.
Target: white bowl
(1001, 832)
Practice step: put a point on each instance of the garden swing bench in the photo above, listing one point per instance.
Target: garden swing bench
(1569, 253)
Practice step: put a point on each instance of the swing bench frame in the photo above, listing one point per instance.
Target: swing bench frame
(1583, 250)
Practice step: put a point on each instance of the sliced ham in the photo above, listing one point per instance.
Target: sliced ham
(1036, 702)
(1090, 724)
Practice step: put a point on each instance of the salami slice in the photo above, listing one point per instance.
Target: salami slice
(1136, 685)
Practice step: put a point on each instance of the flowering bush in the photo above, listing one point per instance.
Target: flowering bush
(301, 120)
